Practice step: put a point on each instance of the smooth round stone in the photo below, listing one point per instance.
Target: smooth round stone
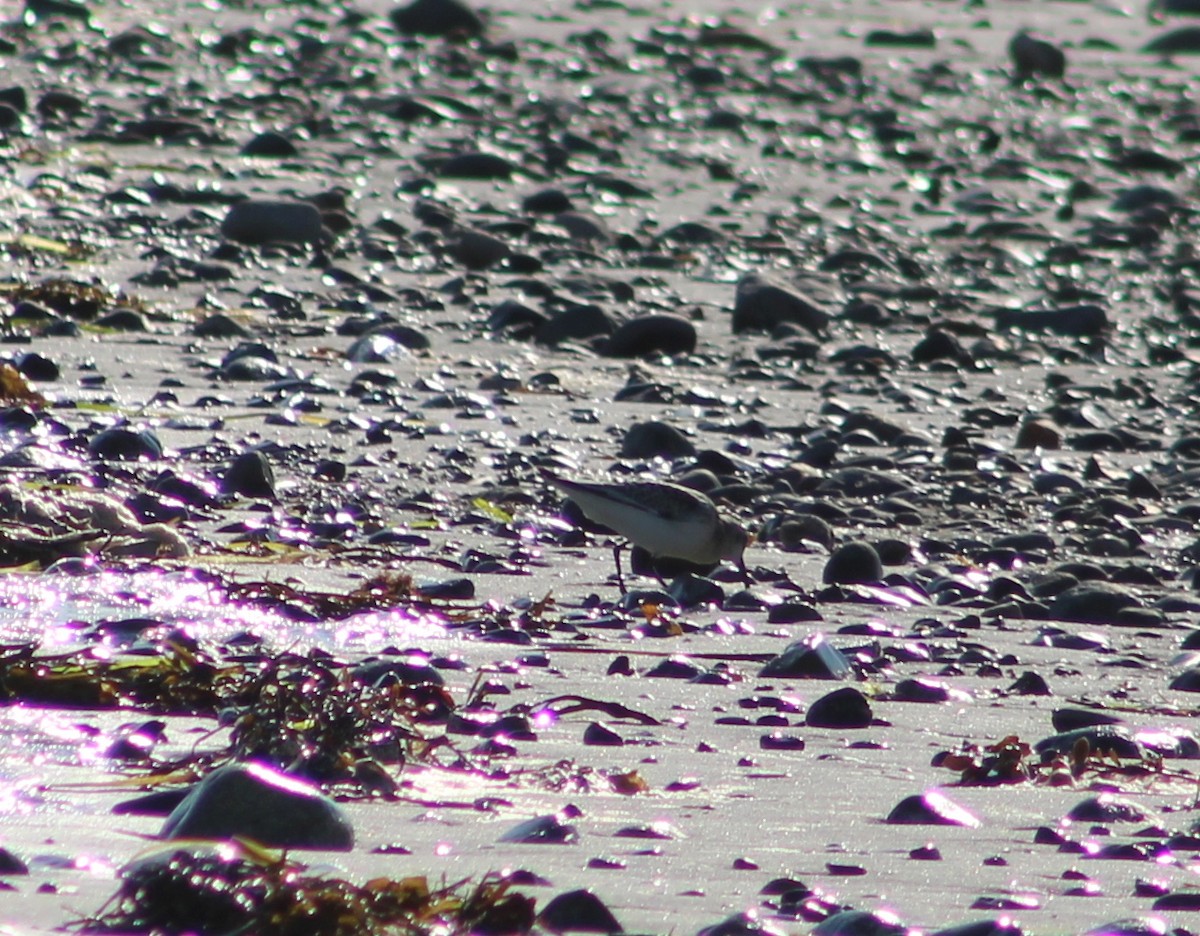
(1182, 41)
(1031, 684)
(220, 325)
(37, 367)
(654, 440)
(476, 165)
(853, 563)
(477, 250)
(1106, 808)
(122, 444)
(691, 591)
(798, 530)
(930, 808)
(578, 911)
(743, 924)
(922, 690)
(793, 611)
(1004, 926)
(648, 335)
(1038, 432)
(257, 802)
(259, 222)
(860, 923)
(436, 18)
(1093, 603)
(551, 201)
(11, 864)
(1072, 719)
(843, 708)
(576, 323)
(126, 320)
(270, 144)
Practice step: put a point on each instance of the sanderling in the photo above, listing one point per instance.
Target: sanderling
(666, 520)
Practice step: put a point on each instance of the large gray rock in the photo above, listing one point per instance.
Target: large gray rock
(257, 802)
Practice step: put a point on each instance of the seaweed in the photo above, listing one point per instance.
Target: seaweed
(307, 714)
(1010, 761)
(239, 887)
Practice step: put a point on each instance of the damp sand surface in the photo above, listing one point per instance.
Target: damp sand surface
(878, 160)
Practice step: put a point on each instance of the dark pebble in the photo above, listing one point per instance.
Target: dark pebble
(760, 305)
(412, 670)
(477, 250)
(742, 924)
(259, 222)
(1182, 41)
(931, 808)
(843, 708)
(437, 18)
(547, 201)
(576, 323)
(1072, 321)
(1035, 57)
(853, 563)
(811, 658)
(122, 444)
(219, 325)
(1030, 683)
(11, 865)
(36, 367)
(655, 440)
(923, 690)
(601, 735)
(778, 741)
(126, 320)
(541, 830)
(270, 144)
(1106, 808)
(1072, 719)
(890, 38)
(649, 335)
(691, 591)
(792, 611)
(476, 165)
(251, 475)
(578, 911)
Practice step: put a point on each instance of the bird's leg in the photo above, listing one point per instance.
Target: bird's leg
(617, 559)
(746, 576)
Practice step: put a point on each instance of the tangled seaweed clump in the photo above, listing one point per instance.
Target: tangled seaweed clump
(310, 714)
(1011, 761)
(239, 888)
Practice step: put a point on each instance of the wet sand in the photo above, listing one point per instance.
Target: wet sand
(910, 189)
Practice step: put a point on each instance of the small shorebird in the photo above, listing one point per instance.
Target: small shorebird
(666, 520)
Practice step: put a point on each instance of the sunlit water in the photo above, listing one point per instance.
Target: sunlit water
(54, 609)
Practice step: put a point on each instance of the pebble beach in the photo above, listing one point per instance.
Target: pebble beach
(307, 305)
